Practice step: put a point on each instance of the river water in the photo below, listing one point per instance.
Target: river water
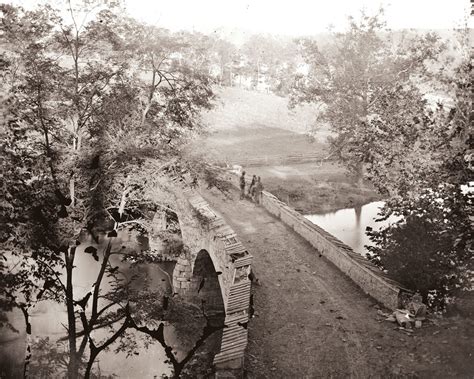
(349, 224)
(48, 318)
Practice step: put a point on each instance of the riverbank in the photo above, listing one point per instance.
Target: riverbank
(319, 196)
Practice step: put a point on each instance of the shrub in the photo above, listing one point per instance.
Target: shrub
(421, 254)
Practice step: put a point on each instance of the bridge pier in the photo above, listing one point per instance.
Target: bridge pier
(182, 275)
(231, 369)
(199, 282)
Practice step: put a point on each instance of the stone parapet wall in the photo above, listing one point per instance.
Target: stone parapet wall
(206, 230)
(368, 277)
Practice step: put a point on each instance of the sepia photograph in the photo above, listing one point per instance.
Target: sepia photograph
(236, 189)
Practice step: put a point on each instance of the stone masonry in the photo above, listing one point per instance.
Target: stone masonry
(203, 229)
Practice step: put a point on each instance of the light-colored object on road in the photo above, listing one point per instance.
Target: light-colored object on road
(404, 318)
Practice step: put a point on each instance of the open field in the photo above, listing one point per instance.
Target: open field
(258, 132)
(247, 125)
(241, 108)
(259, 145)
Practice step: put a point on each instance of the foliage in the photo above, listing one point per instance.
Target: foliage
(363, 80)
(425, 250)
(50, 359)
(95, 110)
(430, 248)
(419, 156)
(269, 60)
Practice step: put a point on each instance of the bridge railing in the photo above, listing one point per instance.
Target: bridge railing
(369, 278)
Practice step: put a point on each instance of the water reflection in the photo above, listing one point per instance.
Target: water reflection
(48, 319)
(349, 224)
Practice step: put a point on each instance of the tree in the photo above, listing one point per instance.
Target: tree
(225, 52)
(282, 72)
(188, 318)
(430, 248)
(259, 51)
(92, 103)
(355, 77)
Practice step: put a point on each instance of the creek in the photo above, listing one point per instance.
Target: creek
(48, 318)
(349, 224)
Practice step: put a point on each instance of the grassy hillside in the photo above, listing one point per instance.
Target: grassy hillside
(240, 108)
(248, 124)
(260, 143)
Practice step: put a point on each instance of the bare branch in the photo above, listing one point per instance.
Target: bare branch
(58, 279)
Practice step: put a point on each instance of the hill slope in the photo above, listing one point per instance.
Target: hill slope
(241, 108)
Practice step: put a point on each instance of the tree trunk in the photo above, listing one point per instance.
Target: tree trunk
(358, 214)
(28, 343)
(258, 74)
(94, 350)
(90, 363)
(72, 191)
(73, 367)
(221, 76)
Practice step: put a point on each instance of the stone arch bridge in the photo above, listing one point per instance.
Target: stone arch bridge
(215, 266)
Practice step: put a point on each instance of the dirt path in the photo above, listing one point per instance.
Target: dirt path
(313, 322)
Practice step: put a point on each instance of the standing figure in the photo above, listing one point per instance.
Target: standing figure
(258, 191)
(252, 184)
(242, 185)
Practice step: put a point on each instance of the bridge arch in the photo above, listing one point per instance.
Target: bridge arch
(215, 266)
(206, 287)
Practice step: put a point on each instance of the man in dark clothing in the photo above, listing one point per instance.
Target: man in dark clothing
(242, 185)
(251, 187)
(258, 191)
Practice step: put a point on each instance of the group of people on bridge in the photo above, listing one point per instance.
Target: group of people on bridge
(255, 188)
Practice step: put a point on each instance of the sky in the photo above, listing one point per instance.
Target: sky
(295, 17)
(291, 17)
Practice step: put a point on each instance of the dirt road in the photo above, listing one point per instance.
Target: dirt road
(313, 322)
